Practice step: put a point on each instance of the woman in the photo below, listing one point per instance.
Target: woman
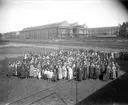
(31, 71)
(114, 71)
(9, 70)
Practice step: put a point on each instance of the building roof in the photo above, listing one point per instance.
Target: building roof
(59, 24)
(111, 27)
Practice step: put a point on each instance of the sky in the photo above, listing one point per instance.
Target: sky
(18, 14)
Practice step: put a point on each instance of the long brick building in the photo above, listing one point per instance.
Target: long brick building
(112, 31)
(55, 31)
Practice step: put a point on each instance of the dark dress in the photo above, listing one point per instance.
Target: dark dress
(95, 73)
(18, 70)
(84, 72)
(80, 74)
(91, 72)
(106, 76)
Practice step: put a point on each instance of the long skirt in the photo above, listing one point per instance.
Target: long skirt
(111, 75)
(54, 77)
(95, 74)
(84, 73)
(31, 71)
(9, 73)
(91, 72)
(106, 76)
(39, 75)
(88, 72)
(114, 74)
(35, 74)
(80, 75)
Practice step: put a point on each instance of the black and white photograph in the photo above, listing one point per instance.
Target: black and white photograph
(63, 52)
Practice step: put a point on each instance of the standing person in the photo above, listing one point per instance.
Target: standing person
(80, 73)
(117, 70)
(39, 70)
(70, 73)
(60, 72)
(26, 70)
(114, 71)
(91, 70)
(88, 69)
(84, 71)
(19, 69)
(15, 66)
(9, 70)
(106, 74)
(98, 70)
(54, 75)
(65, 71)
(95, 72)
(31, 71)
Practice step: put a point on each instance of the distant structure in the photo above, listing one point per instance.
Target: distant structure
(61, 30)
(104, 31)
(11, 35)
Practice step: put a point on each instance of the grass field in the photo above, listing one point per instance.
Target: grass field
(50, 93)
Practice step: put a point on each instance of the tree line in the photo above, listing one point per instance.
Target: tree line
(123, 30)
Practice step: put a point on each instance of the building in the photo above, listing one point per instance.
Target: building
(11, 35)
(104, 31)
(59, 30)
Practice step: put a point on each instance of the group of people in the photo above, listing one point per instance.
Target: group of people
(70, 64)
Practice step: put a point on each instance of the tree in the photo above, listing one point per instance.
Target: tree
(1, 35)
(122, 30)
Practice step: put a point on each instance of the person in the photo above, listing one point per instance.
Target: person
(114, 71)
(91, 70)
(15, 69)
(31, 71)
(19, 69)
(106, 75)
(65, 71)
(54, 75)
(84, 71)
(70, 72)
(60, 72)
(95, 72)
(88, 69)
(117, 70)
(80, 73)
(39, 70)
(9, 70)
(98, 70)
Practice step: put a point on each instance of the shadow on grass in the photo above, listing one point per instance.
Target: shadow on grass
(114, 92)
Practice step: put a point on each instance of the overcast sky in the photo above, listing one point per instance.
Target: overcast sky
(18, 14)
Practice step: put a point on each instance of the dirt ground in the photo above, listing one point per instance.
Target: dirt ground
(15, 91)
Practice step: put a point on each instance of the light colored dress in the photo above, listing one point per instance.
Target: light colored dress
(60, 73)
(31, 71)
(65, 72)
(114, 72)
(70, 73)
